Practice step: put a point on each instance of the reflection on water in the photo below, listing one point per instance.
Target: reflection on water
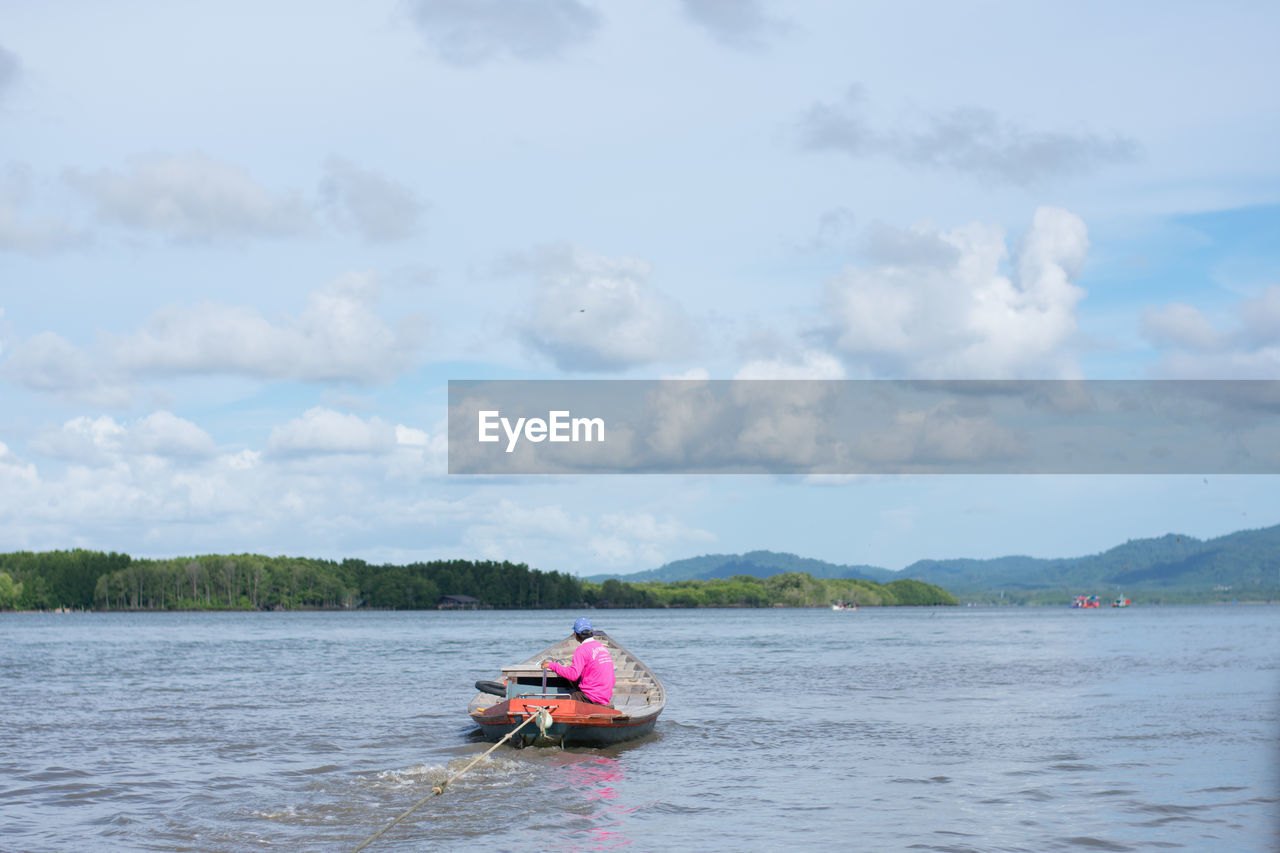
(1014, 729)
(595, 778)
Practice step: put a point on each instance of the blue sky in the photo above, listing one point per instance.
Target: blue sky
(243, 251)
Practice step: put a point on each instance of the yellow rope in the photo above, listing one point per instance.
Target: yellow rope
(544, 719)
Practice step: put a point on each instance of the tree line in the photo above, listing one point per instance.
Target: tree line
(787, 589)
(82, 579)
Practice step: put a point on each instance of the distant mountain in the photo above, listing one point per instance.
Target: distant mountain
(1243, 560)
(759, 564)
(1248, 558)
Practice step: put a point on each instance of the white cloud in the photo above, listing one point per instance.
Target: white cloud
(151, 486)
(740, 24)
(87, 440)
(337, 337)
(808, 364)
(836, 227)
(410, 437)
(1194, 348)
(469, 32)
(630, 539)
(165, 434)
(961, 316)
(980, 143)
(103, 441)
(328, 444)
(245, 460)
(510, 531)
(49, 363)
(592, 313)
(917, 246)
(160, 484)
(1180, 326)
(379, 208)
(1260, 319)
(322, 430)
(967, 140)
(513, 531)
(15, 471)
(193, 198)
(22, 231)
(106, 488)
(10, 69)
(693, 374)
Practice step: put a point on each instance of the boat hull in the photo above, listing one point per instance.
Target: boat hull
(565, 734)
(573, 723)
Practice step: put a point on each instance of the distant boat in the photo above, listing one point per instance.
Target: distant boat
(1086, 601)
(525, 688)
(1120, 602)
(842, 605)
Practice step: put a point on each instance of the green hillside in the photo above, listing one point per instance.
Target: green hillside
(1245, 564)
(1239, 566)
(758, 564)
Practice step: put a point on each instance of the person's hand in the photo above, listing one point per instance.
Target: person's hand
(546, 664)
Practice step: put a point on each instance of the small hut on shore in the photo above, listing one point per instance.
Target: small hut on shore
(457, 602)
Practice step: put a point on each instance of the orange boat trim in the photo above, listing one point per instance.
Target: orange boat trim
(567, 711)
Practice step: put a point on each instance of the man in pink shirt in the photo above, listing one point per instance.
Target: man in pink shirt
(592, 667)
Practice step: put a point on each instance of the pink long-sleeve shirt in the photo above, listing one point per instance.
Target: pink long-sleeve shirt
(592, 668)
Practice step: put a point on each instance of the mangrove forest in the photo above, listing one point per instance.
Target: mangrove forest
(93, 580)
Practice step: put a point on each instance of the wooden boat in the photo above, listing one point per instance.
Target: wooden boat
(525, 688)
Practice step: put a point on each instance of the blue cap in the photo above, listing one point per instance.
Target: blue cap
(582, 625)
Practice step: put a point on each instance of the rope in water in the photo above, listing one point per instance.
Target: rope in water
(543, 718)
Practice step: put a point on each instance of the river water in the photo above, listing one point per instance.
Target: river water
(1015, 729)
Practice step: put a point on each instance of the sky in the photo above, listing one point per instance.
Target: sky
(243, 249)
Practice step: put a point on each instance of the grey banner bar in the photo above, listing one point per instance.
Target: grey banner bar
(519, 427)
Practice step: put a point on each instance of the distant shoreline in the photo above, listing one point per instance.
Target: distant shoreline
(83, 580)
(624, 610)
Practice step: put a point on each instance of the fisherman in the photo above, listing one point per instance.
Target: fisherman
(592, 669)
